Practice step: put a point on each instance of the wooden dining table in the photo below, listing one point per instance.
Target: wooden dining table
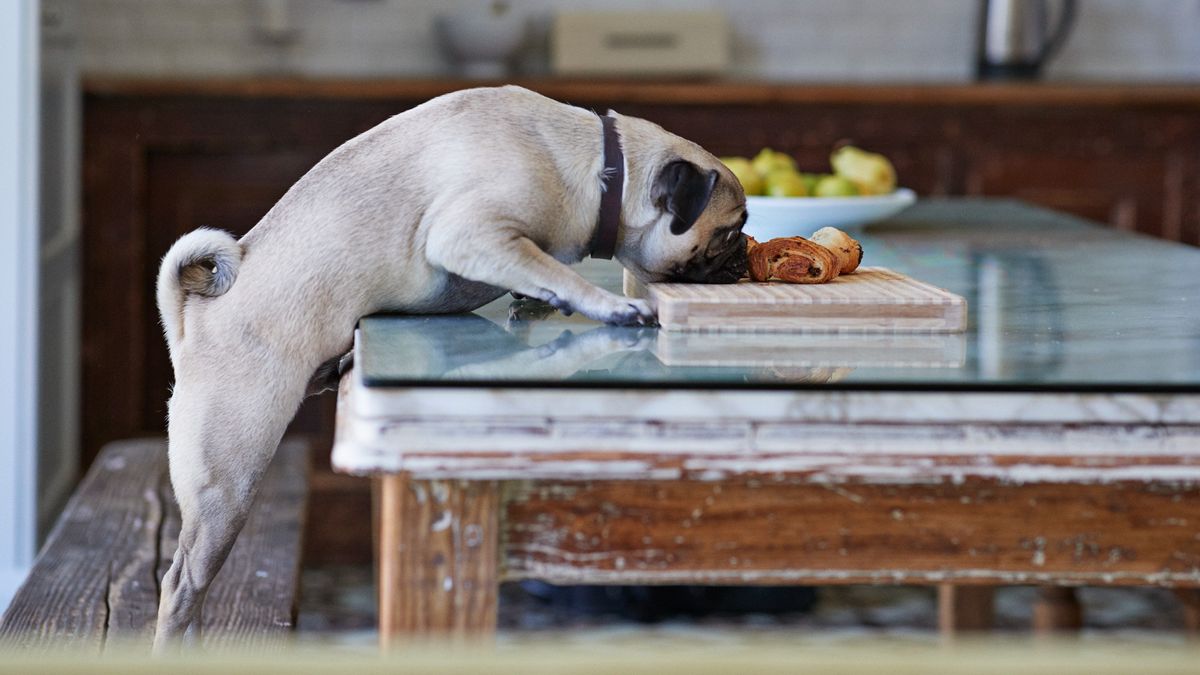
(1055, 443)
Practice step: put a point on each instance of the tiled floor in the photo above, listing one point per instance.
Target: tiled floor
(338, 607)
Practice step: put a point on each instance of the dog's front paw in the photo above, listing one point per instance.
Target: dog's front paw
(561, 304)
(619, 311)
(634, 313)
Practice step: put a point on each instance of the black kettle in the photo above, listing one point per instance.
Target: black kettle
(1017, 37)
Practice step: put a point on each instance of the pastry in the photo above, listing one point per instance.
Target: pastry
(847, 249)
(794, 260)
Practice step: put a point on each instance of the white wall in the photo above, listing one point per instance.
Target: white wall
(18, 290)
(1140, 40)
(844, 40)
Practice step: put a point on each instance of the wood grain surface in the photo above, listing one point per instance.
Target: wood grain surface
(871, 300)
(965, 609)
(96, 581)
(752, 531)
(438, 557)
(1056, 610)
(811, 350)
(646, 436)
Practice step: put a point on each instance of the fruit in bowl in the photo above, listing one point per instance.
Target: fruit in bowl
(785, 201)
(856, 172)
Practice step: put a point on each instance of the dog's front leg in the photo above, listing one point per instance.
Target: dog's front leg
(510, 260)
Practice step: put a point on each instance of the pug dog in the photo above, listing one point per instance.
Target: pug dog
(439, 209)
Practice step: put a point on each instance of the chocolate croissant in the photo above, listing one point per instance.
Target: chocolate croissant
(847, 249)
(795, 260)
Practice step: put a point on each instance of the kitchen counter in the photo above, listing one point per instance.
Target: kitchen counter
(682, 92)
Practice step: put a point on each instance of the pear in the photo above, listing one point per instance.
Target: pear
(810, 181)
(870, 172)
(835, 186)
(786, 183)
(767, 160)
(752, 181)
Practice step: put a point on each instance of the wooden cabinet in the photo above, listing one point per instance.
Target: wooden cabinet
(162, 158)
(1127, 192)
(1133, 168)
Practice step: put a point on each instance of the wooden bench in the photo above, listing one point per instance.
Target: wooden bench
(96, 580)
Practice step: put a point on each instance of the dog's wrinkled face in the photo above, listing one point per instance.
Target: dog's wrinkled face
(698, 236)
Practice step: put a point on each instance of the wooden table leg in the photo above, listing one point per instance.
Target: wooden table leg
(964, 609)
(1056, 610)
(1189, 598)
(438, 559)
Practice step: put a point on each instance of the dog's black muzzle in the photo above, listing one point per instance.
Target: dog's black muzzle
(725, 267)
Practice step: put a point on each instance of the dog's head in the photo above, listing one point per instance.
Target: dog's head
(688, 217)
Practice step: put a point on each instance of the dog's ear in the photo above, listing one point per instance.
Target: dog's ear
(683, 190)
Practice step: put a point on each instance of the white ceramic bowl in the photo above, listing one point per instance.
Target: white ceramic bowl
(482, 44)
(771, 217)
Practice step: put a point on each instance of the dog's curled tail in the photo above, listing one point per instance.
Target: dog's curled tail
(203, 262)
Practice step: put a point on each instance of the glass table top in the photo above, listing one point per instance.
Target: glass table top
(1054, 303)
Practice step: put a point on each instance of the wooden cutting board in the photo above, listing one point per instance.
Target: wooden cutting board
(811, 349)
(871, 300)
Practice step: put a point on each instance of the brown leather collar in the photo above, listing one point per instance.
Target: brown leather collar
(612, 183)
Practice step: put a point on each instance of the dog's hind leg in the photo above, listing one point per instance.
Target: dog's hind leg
(227, 415)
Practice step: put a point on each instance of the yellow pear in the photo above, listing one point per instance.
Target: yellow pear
(767, 160)
(786, 183)
(835, 186)
(870, 172)
(752, 182)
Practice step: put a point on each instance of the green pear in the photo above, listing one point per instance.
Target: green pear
(786, 183)
(767, 160)
(835, 186)
(752, 182)
(810, 181)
